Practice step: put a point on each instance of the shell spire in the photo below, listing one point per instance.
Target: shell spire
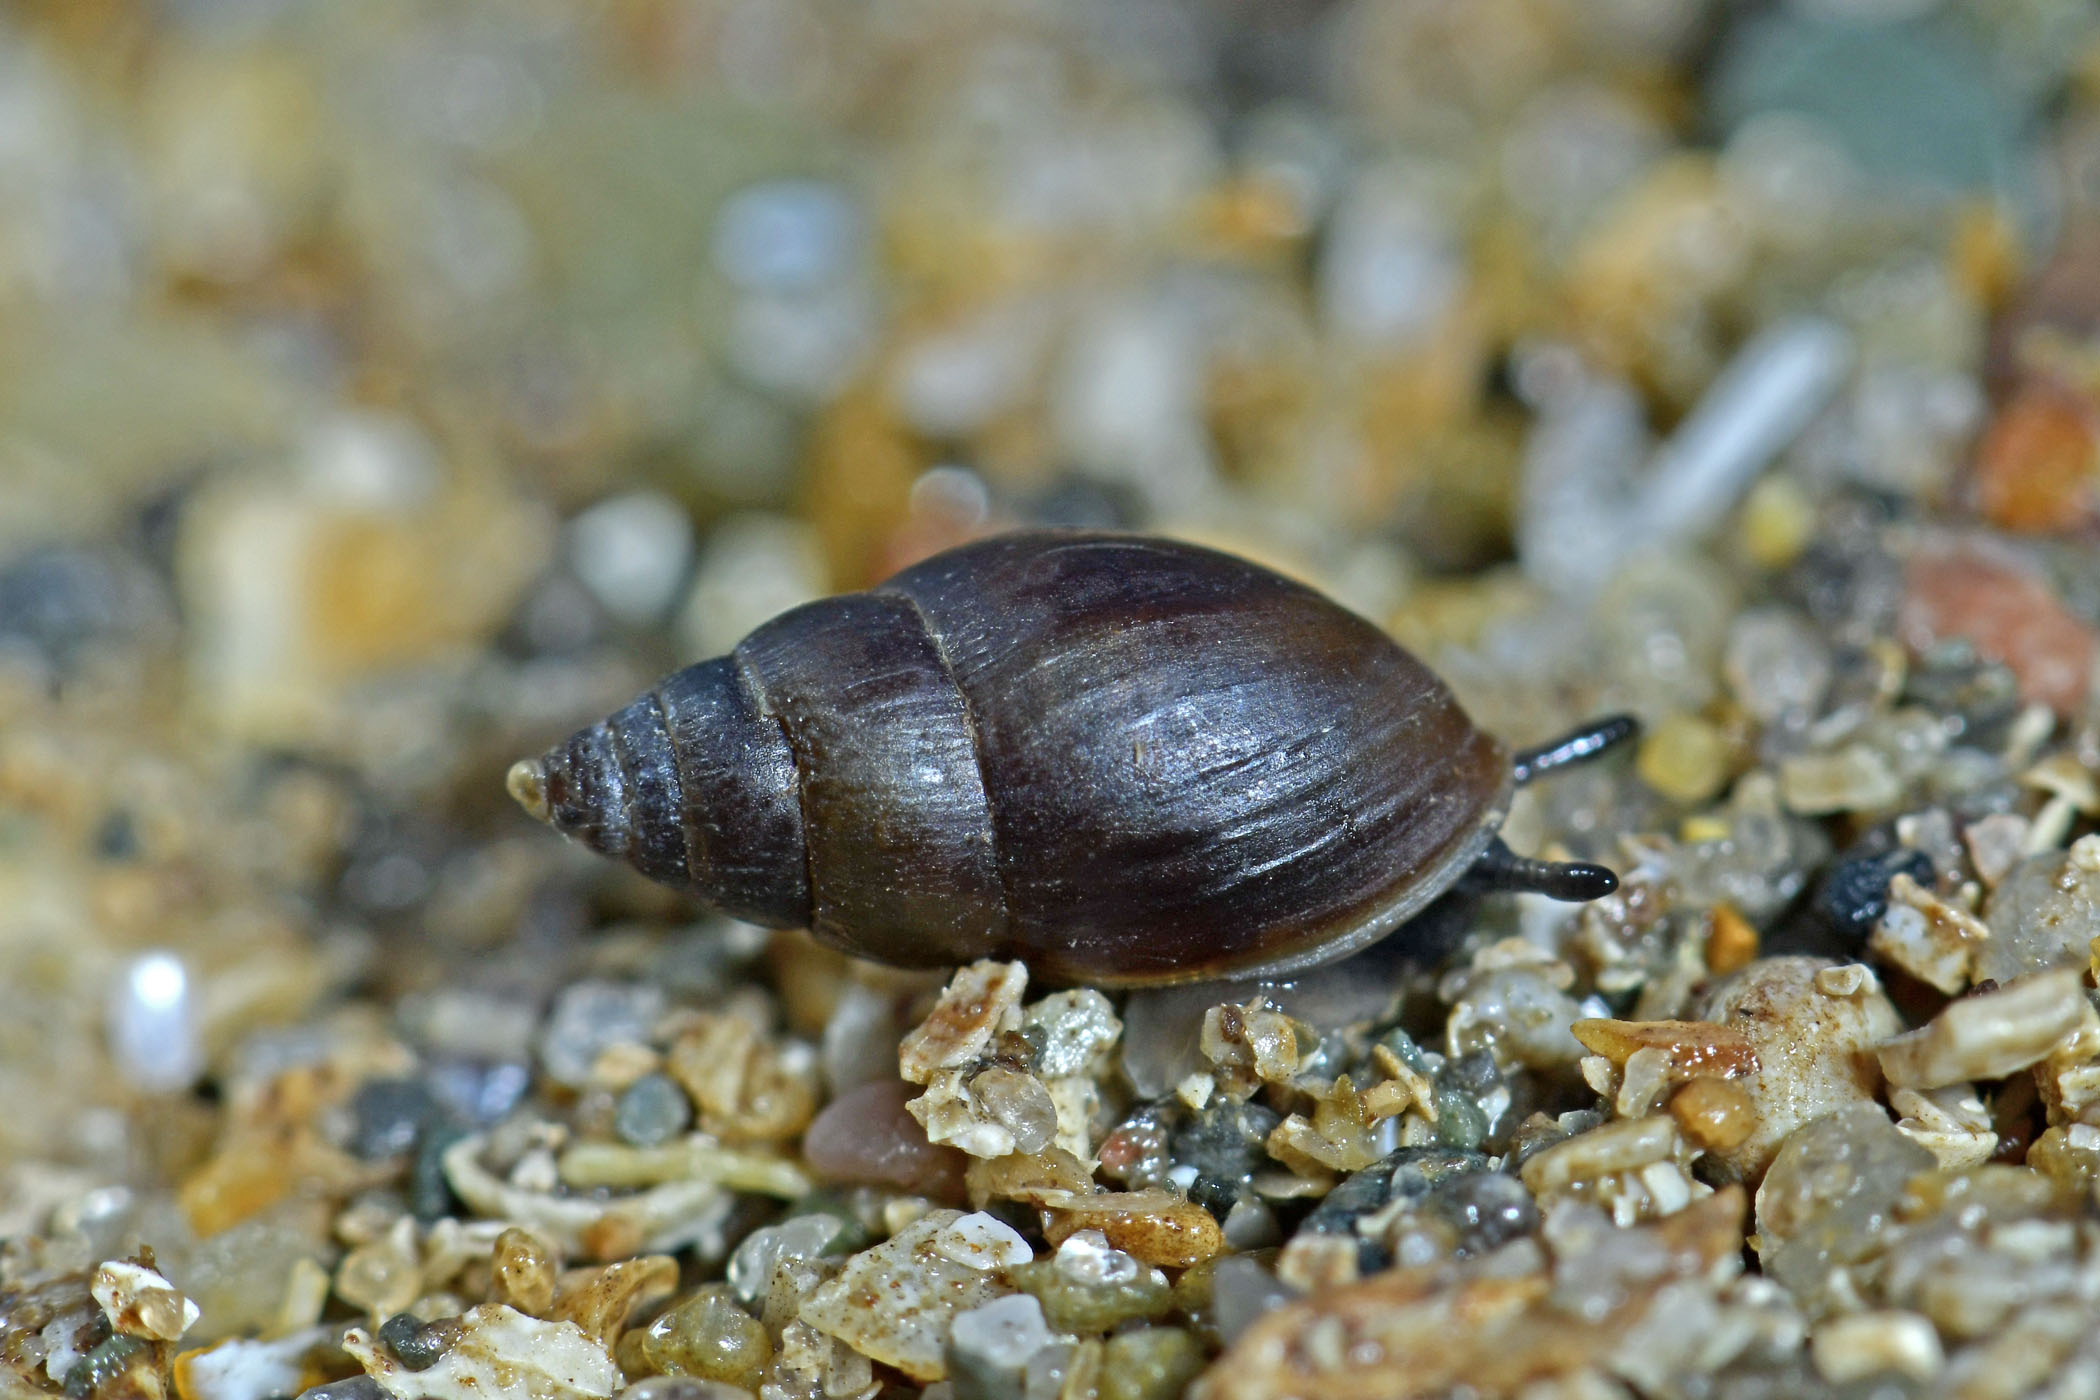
(694, 785)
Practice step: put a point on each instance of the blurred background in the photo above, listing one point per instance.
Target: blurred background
(388, 388)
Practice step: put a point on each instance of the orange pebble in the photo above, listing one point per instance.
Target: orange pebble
(1714, 1112)
(1966, 589)
(2037, 463)
(1731, 942)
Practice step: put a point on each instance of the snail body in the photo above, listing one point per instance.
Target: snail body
(1122, 760)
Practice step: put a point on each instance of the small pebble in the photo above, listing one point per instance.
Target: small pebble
(1830, 1191)
(631, 551)
(753, 567)
(1171, 1234)
(750, 1270)
(989, 1347)
(865, 1135)
(1813, 1049)
(2035, 464)
(387, 1115)
(1410, 1174)
(1487, 1209)
(1018, 1103)
(1225, 1144)
(1731, 941)
(2044, 914)
(1088, 1286)
(710, 1337)
(1077, 1027)
(139, 1302)
(1851, 1348)
(1854, 778)
(382, 1276)
(1776, 663)
(479, 1092)
(652, 1111)
(1989, 1034)
(983, 1242)
(418, 1347)
(590, 1017)
(1714, 1112)
(107, 1361)
(355, 1388)
(894, 1303)
(1149, 1363)
(429, 1191)
(1684, 758)
(1242, 1290)
(2004, 610)
(1855, 893)
(786, 235)
(1461, 1123)
(1778, 520)
(522, 1273)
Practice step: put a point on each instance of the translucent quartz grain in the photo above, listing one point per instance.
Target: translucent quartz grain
(989, 1348)
(1830, 1191)
(652, 1110)
(590, 1016)
(1089, 1286)
(1149, 1363)
(709, 1336)
(2044, 914)
(522, 1272)
(894, 1302)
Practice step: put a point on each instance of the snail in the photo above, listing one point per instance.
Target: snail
(1122, 760)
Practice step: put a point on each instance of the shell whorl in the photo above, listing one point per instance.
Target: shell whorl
(694, 785)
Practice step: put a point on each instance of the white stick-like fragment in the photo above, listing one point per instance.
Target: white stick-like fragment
(1772, 389)
(1579, 522)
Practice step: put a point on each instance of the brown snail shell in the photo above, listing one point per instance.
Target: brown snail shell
(1122, 760)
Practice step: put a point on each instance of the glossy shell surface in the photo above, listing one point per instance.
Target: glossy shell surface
(1124, 760)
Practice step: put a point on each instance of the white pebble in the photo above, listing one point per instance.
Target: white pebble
(152, 1024)
(787, 235)
(753, 568)
(240, 1369)
(375, 460)
(1393, 265)
(1087, 1257)
(1078, 1027)
(1853, 1347)
(802, 344)
(983, 1242)
(956, 380)
(140, 1303)
(1588, 438)
(1126, 405)
(631, 552)
(1002, 1334)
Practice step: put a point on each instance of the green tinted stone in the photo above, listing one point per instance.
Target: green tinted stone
(709, 1336)
(1082, 1305)
(105, 1363)
(1459, 1121)
(1151, 1363)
